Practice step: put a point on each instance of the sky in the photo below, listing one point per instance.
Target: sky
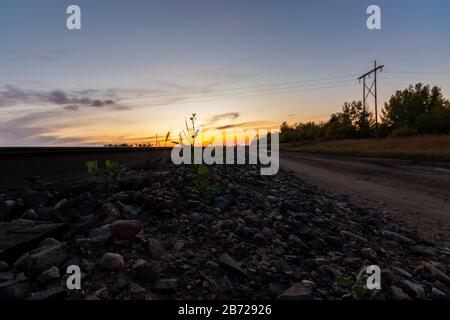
(138, 68)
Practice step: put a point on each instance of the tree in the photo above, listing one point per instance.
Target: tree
(352, 122)
(418, 107)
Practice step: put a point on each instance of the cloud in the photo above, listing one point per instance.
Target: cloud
(12, 95)
(250, 125)
(32, 130)
(224, 116)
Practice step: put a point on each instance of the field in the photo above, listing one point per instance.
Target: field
(428, 148)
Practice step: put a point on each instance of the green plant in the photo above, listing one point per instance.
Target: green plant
(110, 173)
(357, 288)
(202, 180)
(92, 167)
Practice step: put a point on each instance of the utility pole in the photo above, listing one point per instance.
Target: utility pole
(373, 92)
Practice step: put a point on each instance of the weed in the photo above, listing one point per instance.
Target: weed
(357, 288)
(202, 180)
(111, 173)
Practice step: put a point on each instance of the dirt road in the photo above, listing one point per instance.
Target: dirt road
(418, 195)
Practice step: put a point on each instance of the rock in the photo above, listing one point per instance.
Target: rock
(87, 223)
(402, 272)
(438, 274)
(413, 289)
(231, 264)
(126, 211)
(125, 229)
(335, 242)
(107, 206)
(398, 294)
(297, 291)
(353, 236)
(100, 235)
(48, 276)
(112, 215)
(30, 214)
(259, 240)
(387, 275)
(168, 228)
(369, 253)
(273, 198)
(60, 204)
(49, 294)
(6, 210)
(438, 294)
(112, 261)
(226, 224)
(139, 264)
(167, 285)
(245, 232)
(13, 290)
(353, 262)
(10, 203)
(36, 199)
(20, 236)
(156, 248)
(50, 253)
(178, 246)
(137, 292)
(3, 265)
(6, 276)
(397, 237)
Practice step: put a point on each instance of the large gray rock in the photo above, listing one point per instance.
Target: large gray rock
(50, 253)
(20, 236)
(297, 291)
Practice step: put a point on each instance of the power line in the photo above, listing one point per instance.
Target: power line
(415, 79)
(233, 96)
(268, 86)
(307, 86)
(262, 89)
(417, 72)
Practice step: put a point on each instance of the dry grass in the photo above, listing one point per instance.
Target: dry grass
(430, 147)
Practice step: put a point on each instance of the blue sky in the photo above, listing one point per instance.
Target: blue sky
(137, 68)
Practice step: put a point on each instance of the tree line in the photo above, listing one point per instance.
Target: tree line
(419, 109)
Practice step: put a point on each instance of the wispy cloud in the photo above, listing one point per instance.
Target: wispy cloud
(220, 117)
(12, 95)
(31, 130)
(250, 125)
